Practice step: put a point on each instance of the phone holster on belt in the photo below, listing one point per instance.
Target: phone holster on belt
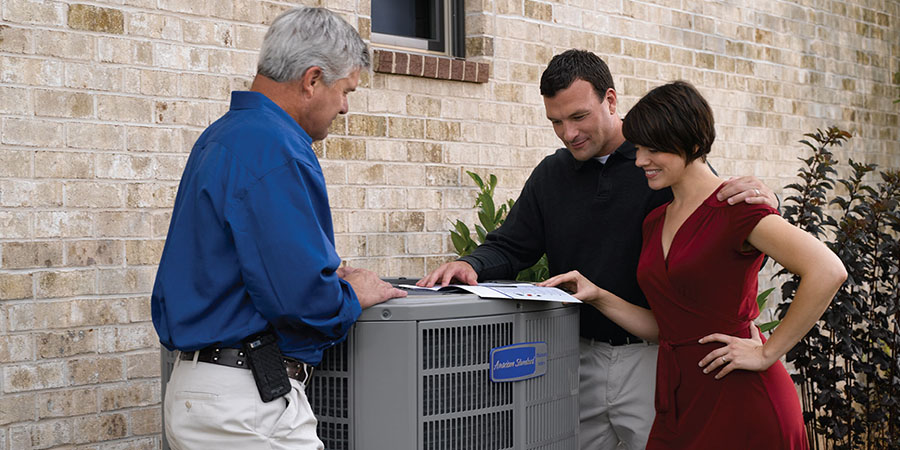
(267, 365)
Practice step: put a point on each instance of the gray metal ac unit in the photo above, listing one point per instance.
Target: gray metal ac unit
(415, 373)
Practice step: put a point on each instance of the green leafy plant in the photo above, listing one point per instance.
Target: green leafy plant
(490, 217)
(761, 303)
(849, 371)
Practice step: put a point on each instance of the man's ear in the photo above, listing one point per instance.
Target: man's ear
(613, 100)
(310, 78)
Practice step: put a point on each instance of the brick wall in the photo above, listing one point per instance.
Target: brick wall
(101, 101)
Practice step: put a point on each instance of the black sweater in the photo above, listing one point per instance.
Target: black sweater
(585, 216)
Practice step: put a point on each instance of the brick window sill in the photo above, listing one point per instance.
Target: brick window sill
(428, 66)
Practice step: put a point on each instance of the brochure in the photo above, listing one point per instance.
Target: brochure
(514, 291)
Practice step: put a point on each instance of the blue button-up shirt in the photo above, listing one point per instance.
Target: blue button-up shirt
(251, 243)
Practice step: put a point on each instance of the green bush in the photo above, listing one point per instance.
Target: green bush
(490, 217)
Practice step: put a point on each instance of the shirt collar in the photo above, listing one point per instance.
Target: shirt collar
(626, 150)
(255, 100)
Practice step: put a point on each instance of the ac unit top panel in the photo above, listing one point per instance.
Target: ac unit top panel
(432, 306)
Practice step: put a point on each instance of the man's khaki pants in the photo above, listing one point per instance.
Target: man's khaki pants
(209, 406)
(616, 392)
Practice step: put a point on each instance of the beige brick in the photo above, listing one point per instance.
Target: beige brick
(93, 18)
(159, 83)
(95, 136)
(15, 224)
(146, 421)
(64, 284)
(139, 311)
(188, 113)
(126, 281)
(23, 255)
(41, 435)
(62, 224)
(101, 428)
(15, 286)
(339, 148)
(150, 195)
(16, 40)
(248, 38)
(156, 26)
(424, 198)
(71, 402)
(346, 197)
(386, 102)
(32, 133)
(143, 365)
(170, 167)
(16, 348)
(366, 221)
(210, 33)
(364, 125)
(127, 338)
(20, 316)
(441, 176)
(63, 165)
(17, 193)
(15, 163)
(203, 86)
(14, 100)
(80, 194)
(349, 246)
(425, 152)
(144, 252)
(386, 150)
(385, 245)
(87, 370)
(94, 253)
(441, 130)
(67, 343)
(406, 128)
(406, 221)
(406, 175)
(538, 11)
(48, 194)
(124, 51)
(17, 408)
(123, 109)
(34, 12)
(366, 173)
(64, 44)
(160, 224)
(156, 139)
(124, 167)
(385, 198)
(423, 106)
(35, 72)
(95, 77)
(30, 377)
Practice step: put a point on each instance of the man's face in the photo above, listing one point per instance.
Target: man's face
(327, 103)
(583, 121)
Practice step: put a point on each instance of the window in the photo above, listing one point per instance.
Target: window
(433, 26)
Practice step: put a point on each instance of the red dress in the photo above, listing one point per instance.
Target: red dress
(706, 285)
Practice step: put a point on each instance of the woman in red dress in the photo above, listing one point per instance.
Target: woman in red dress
(720, 385)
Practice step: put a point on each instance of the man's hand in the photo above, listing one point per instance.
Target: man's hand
(460, 271)
(370, 290)
(747, 189)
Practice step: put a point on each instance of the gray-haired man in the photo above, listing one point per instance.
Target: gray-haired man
(249, 277)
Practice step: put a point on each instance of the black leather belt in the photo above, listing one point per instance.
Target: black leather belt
(234, 357)
(619, 340)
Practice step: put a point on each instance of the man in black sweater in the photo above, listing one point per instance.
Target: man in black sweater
(583, 206)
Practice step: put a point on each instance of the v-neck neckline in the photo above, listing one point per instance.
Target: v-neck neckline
(666, 254)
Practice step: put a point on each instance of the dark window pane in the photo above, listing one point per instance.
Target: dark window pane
(409, 18)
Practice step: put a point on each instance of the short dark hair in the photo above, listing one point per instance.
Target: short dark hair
(574, 64)
(672, 118)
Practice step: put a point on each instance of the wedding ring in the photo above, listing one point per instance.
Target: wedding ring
(724, 360)
(757, 192)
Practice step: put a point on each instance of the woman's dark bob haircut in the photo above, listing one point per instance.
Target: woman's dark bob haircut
(672, 118)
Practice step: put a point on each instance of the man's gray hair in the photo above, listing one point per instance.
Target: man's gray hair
(305, 37)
